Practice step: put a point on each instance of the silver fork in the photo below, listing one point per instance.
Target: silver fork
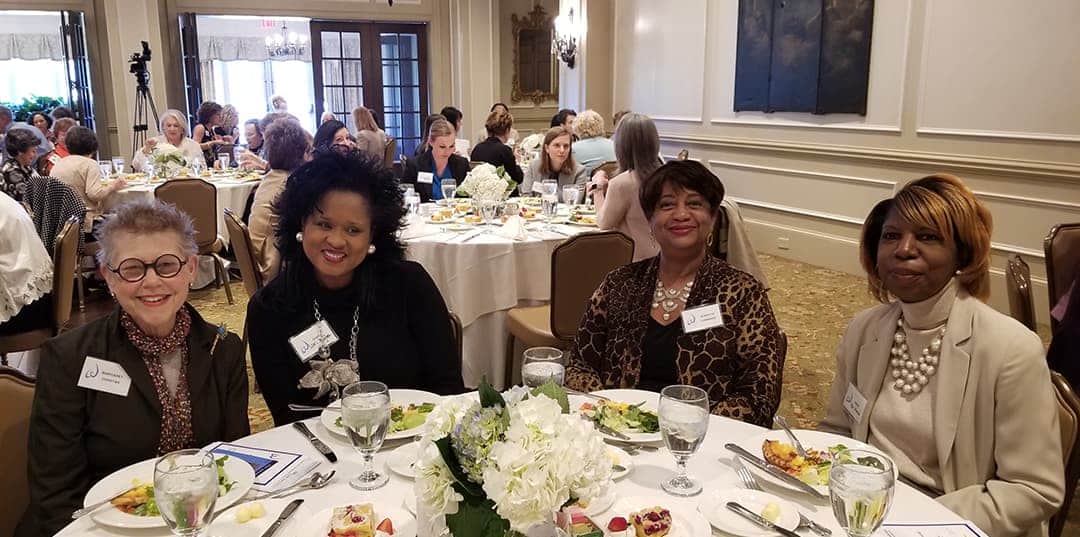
(750, 482)
(779, 420)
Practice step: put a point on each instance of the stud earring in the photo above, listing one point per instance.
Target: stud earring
(371, 249)
(299, 236)
(959, 272)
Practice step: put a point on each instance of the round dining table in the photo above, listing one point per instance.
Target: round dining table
(712, 464)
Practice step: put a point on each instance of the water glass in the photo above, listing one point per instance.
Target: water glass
(449, 189)
(542, 364)
(223, 158)
(197, 166)
(106, 167)
(570, 194)
(118, 164)
(861, 487)
(412, 202)
(186, 489)
(684, 420)
(365, 412)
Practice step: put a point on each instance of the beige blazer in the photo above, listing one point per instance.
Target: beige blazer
(263, 221)
(83, 175)
(995, 418)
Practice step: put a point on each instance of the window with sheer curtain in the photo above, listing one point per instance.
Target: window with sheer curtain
(23, 78)
(248, 85)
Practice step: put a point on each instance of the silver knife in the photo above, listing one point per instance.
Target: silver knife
(773, 471)
(319, 445)
(605, 429)
(285, 514)
(756, 519)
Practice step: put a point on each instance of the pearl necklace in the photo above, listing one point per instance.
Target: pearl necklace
(665, 298)
(913, 375)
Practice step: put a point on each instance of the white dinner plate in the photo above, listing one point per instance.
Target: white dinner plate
(329, 418)
(401, 460)
(818, 440)
(713, 505)
(602, 503)
(236, 470)
(621, 458)
(225, 524)
(685, 522)
(651, 403)
(404, 523)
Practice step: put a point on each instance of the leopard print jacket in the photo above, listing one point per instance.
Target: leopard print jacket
(739, 364)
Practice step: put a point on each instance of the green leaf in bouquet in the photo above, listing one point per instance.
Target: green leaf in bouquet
(555, 392)
(464, 486)
(477, 516)
(489, 397)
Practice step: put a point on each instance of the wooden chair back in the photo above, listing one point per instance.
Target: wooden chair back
(389, 152)
(197, 198)
(240, 239)
(1018, 287)
(65, 257)
(610, 168)
(1062, 249)
(578, 265)
(1069, 418)
(16, 398)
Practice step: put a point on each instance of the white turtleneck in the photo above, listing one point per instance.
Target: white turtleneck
(901, 425)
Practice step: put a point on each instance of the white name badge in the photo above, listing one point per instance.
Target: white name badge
(307, 343)
(104, 376)
(854, 404)
(425, 178)
(702, 318)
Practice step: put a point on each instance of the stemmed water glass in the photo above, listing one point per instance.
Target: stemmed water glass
(118, 165)
(684, 420)
(542, 364)
(106, 167)
(549, 200)
(861, 486)
(365, 412)
(449, 189)
(570, 194)
(186, 489)
(223, 158)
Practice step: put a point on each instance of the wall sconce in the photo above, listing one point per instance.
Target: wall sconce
(565, 42)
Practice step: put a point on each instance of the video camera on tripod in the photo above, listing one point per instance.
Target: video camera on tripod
(138, 65)
(143, 99)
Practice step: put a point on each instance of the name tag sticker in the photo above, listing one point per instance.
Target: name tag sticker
(702, 318)
(854, 404)
(307, 343)
(104, 376)
(424, 178)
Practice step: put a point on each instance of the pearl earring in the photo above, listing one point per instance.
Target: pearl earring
(299, 236)
(371, 249)
(959, 272)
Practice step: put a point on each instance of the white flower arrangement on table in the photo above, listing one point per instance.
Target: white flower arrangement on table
(487, 183)
(531, 143)
(506, 463)
(168, 158)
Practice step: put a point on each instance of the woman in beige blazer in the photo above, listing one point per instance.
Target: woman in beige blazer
(287, 147)
(956, 393)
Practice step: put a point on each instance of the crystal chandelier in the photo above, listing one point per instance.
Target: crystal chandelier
(285, 44)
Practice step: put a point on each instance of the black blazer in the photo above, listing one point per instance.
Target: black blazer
(78, 436)
(406, 342)
(495, 152)
(459, 167)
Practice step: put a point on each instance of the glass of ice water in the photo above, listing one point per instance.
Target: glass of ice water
(186, 489)
(449, 189)
(542, 364)
(365, 411)
(223, 158)
(106, 167)
(570, 194)
(118, 164)
(684, 420)
(861, 487)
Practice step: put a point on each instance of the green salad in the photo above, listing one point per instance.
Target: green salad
(622, 417)
(403, 418)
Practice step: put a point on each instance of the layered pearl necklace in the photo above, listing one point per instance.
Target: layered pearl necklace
(911, 376)
(668, 299)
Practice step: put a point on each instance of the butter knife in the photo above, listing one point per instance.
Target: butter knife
(608, 430)
(773, 471)
(756, 519)
(93, 507)
(319, 445)
(285, 514)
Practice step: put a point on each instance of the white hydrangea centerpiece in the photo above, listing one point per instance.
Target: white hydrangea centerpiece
(168, 158)
(487, 183)
(506, 463)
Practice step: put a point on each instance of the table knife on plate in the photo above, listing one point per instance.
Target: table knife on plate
(285, 514)
(757, 519)
(319, 445)
(772, 470)
(608, 430)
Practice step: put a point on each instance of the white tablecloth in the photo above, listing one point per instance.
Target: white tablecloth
(230, 194)
(482, 278)
(710, 464)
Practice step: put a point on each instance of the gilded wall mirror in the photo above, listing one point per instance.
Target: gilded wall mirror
(536, 71)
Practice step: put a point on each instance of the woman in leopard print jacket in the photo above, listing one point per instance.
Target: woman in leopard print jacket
(632, 337)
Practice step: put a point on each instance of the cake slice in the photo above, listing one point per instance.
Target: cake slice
(652, 522)
(356, 520)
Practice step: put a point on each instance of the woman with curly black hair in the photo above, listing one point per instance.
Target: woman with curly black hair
(342, 263)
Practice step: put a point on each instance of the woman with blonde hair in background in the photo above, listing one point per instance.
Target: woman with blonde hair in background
(555, 163)
(369, 137)
(591, 149)
(437, 163)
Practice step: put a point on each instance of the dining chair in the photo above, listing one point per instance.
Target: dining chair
(1062, 249)
(16, 398)
(389, 152)
(475, 163)
(458, 331)
(683, 155)
(1069, 419)
(578, 265)
(65, 255)
(1018, 288)
(719, 246)
(610, 168)
(198, 198)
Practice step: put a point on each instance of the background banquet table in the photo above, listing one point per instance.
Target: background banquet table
(231, 194)
(482, 278)
(710, 464)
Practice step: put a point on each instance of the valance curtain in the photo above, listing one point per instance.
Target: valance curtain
(252, 49)
(32, 47)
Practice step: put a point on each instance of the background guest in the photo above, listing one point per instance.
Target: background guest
(7, 124)
(327, 116)
(22, 146)
(617, 117)
(80, 171)
(287, 143)
(332, 134)
(208, 116)
(439, 162)
(631, 335)
(342, 262)
(1065, 345)
(230, 119)
(512, 137)
(957, 394)
(369, 137)
(61, 112)
(279, 104)
(556, 163)
(494, 150)
(59, 129)
(43, 122)
(26, 272)
(617, 201)
(564, 118)
(420, 149)
(253, 136)
(591, 148)
(173, 127)
(455, 117)
(188, 385)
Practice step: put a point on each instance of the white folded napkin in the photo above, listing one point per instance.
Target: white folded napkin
(513, 229)
(415, 227)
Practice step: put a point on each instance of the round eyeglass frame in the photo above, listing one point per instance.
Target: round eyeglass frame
(146, 266)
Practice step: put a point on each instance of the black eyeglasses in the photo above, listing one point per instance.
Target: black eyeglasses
(134, 270)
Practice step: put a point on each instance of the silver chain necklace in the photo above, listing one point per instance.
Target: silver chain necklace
(324, 351)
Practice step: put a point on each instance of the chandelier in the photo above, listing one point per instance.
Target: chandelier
(285, 44)
(565, 43)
